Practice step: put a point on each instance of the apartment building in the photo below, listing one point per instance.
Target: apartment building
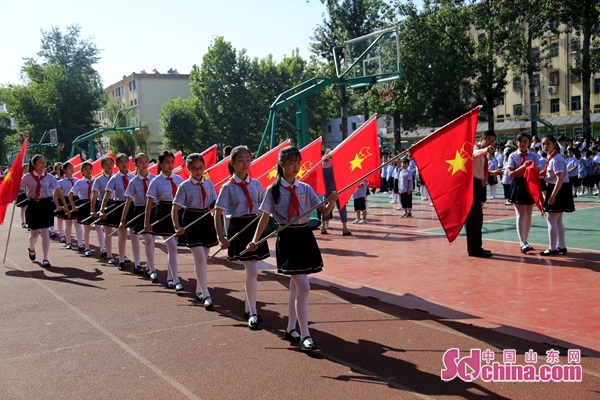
(147, 91)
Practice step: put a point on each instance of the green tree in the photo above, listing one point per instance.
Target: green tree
(5, 132)
(583, 17)
(180, 126)
(61, 89)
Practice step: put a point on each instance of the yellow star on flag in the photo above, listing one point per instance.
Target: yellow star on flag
(356, 163)
(8, 176)
(458, 164)
(300, 173)
(272, 173)
(206, 175)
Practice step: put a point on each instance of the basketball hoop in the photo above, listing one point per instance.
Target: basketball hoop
(61, 146)
(386, 90)
(143, 133)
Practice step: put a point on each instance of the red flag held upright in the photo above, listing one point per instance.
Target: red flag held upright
(10, 185)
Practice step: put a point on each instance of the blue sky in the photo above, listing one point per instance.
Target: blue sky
(148, 34)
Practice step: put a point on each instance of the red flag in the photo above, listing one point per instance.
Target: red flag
(182, 172)
(178, 161)
(210, 156)
(267, 163)
(131, 164)
(534, 186)
(354, 157)
(153, 169)
(444, 160)
(10, 185)
(75, 160)
(97, 165)
(218, 173)
(311, 155)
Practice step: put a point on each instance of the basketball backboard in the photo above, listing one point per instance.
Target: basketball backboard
(53, 136)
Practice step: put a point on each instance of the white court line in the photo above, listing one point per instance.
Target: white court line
(182, 389)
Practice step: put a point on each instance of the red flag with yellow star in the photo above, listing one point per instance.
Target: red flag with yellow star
(218, 173)
(355, 157)
(311, 155)
(10, 185)
(267, 164)
(445, 162)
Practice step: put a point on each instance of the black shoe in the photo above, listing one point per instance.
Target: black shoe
(307, 346)
(208, 303)
(63, 239)
(486, 251)
(31, 254)
(253, 322)
(53, 235)
(121, 266)
(24, 226)
(561, 251)
(46, 263)
(104, 254)
(525, 249)
(138, 269)
(247, 315)
(548, 252)
(126, 260)
(481, 254)
(200, 298)
(292, 338)
(81, 249)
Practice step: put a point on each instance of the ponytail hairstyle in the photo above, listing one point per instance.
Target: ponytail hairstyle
(162, 156)
(287, 153)
(59, 166)
(32, 162)
(191, 158)
(64, 167)
(121, 155)
(234, 153)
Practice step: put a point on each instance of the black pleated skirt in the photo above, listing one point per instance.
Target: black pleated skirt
(164, 227)
(239, 244)
(297, 251)
(83, 214)
(563, 201)
(136, 222)
(518, 193)
(61, 214)
(115, 208)
(203, 232)
(40, 214)
(21, 203)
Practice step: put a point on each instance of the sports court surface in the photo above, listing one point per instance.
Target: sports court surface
(391, 300)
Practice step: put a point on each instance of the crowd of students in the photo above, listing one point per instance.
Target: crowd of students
(186, 213)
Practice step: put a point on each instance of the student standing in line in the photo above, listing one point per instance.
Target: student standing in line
(162, 190)
(82, 191)
(405, 186)
(558, 198)
(298, 254)
(40, 187)
(111, 211)
(196, 196)
(518, 161)
(98, 190)
(66, 183)
(239, 199)
(136, 194)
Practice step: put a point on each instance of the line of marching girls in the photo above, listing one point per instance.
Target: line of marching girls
(186, 213)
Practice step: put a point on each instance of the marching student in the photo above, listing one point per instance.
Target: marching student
(162, 190)
(518, 161)
(297, 251)
(39, 215)
(196, 195)
(558, 198)
(360, 202)
(99, 190)
(111, 212)
(65, 184)
(22, 199)
(405, 186)
(82, 189)
(136, 193)
(239, 199)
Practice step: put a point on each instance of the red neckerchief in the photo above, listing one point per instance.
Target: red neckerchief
(550, 157)
(244, 186)
(38, 179)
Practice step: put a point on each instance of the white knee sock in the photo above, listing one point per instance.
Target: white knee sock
(251, 267)
(301, 302)
(553, 229)
(292, 318)
(149, 250)
(87, 229)
(200, 257)
(561, 231)
(172, 260)
(135, 246)
(424, 192)
(45, 242)
(33, 237)
(493, 191)
(79, 233)
(108, 240)
(122, 243)
(523, 213)
(100, 237)
(61, 226)
(68, 230)
(23, 215)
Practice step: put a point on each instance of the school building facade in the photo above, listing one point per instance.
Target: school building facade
(147, 91)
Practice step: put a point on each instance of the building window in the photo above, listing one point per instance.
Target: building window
(328, 128)
(500, 101)
(500, 118)
(553, 25)
(535, 54)
(133, 84)
(574, 46)
(554, 49)
(596, 85)
(596, 108)
(135, 104)
(553, 78)
(481, 37)
(575, 78)
(517, 110)
(536, 80)
(554, 105)
(575, 103)
(353, 126)
(517, 84)
(130, 102)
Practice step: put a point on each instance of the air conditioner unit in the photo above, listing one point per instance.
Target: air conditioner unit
(552, 90)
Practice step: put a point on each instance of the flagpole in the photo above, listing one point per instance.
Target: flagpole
(108, 213)
(234, 236)
(187, 226)
(12, 216)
